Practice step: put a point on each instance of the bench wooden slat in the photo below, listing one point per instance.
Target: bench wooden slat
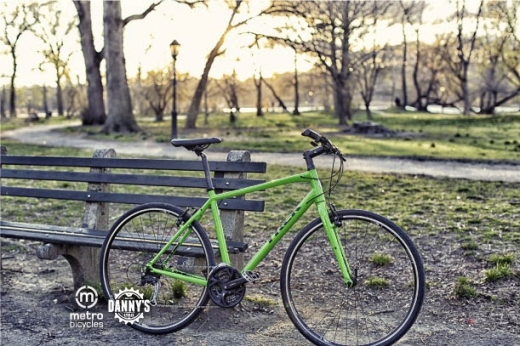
(95, 238)
(78, 244)
(126, 198)
(128, 179)
(179, 165)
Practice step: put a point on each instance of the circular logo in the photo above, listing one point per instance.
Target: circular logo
(86, 297)
(129, 305)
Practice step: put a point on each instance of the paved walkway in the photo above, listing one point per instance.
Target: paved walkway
(45, 135)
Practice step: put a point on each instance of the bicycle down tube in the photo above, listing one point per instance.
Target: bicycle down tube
(315, 196)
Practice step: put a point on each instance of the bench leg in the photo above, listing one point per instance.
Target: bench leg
(83, 261)
(233, 220)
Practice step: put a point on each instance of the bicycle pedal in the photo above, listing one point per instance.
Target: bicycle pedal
(251, 276)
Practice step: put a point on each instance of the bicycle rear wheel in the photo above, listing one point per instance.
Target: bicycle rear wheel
(134, 239)
(382, 305)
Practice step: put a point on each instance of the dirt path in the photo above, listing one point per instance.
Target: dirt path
(44, 135)
(37, 303)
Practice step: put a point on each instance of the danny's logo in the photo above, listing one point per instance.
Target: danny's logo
(129, 305)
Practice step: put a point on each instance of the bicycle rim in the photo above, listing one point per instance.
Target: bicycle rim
(386, 299)
(178, 302)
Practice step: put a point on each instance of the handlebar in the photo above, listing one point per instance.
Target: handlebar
(326, 144)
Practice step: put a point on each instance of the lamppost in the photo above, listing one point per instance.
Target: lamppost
(174, 49)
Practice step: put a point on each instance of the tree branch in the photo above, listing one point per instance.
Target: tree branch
(141, 15)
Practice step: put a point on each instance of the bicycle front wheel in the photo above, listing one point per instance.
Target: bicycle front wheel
(136, 238)
(386, 298)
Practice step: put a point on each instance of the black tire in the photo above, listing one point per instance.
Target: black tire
(178, 302)
(386, 299)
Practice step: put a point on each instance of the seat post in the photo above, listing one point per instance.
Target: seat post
(207, 172)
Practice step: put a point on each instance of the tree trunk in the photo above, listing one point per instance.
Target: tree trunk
(326, 97)
(120, 116)
(194, 109)
(421, 106)
(95, 114)
(341, 103)
(258, 85)
(368, 111)
(59, 93)
(12, 90)
(403, 70)
(280, 101)
(296, 111)
(2, 104)
(465, 90)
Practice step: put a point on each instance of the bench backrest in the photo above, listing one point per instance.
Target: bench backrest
(30, 167)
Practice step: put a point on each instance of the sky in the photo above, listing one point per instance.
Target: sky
(197, 30)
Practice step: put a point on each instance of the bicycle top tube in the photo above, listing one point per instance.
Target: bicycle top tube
(324, 146)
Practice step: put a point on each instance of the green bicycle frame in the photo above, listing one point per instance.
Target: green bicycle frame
(315, 196)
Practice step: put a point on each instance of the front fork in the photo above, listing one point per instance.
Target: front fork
(331, 220)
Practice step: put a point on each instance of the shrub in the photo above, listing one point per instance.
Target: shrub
(464, 288)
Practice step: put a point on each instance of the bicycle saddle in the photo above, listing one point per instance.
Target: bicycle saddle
(196, 144)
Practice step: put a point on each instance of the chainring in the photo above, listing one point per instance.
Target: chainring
(218, 278)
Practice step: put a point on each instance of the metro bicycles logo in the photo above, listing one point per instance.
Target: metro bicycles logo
(129, 306)
(86, 298)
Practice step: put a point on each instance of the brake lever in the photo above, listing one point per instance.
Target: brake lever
(339, 154)
(314, 144)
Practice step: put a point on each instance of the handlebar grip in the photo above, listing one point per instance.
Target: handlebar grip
(311, 134)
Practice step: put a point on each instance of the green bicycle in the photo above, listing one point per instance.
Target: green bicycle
(348, 277)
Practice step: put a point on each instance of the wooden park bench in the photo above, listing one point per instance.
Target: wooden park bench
(80, 245)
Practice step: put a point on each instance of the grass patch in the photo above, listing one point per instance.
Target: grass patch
(474, 137)
(16, 123)
(260, 301)
(501, 271)
(464, 288)
(501, 259)
(469, 246)
(179, 289)
(377, 282)
(381, 260)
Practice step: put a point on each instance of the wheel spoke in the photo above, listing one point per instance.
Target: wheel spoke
(149, 227)
(383, 304)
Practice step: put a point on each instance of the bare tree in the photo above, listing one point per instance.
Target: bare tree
(497, 57)
(296, 86)
(46, 110)
(194, 109)
(428, 68)
(331, 29)
(369, 70)
(157, 91)
(233, 23)
(257, 77)
(113, 29)
(415, 19)
(276, 96)
(465, 46)
(258, 88)
(230, 94)
(95, 112)
(17, 22)
(53, 30)
(119, 105)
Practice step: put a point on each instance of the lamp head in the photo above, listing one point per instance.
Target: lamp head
(174, 48)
